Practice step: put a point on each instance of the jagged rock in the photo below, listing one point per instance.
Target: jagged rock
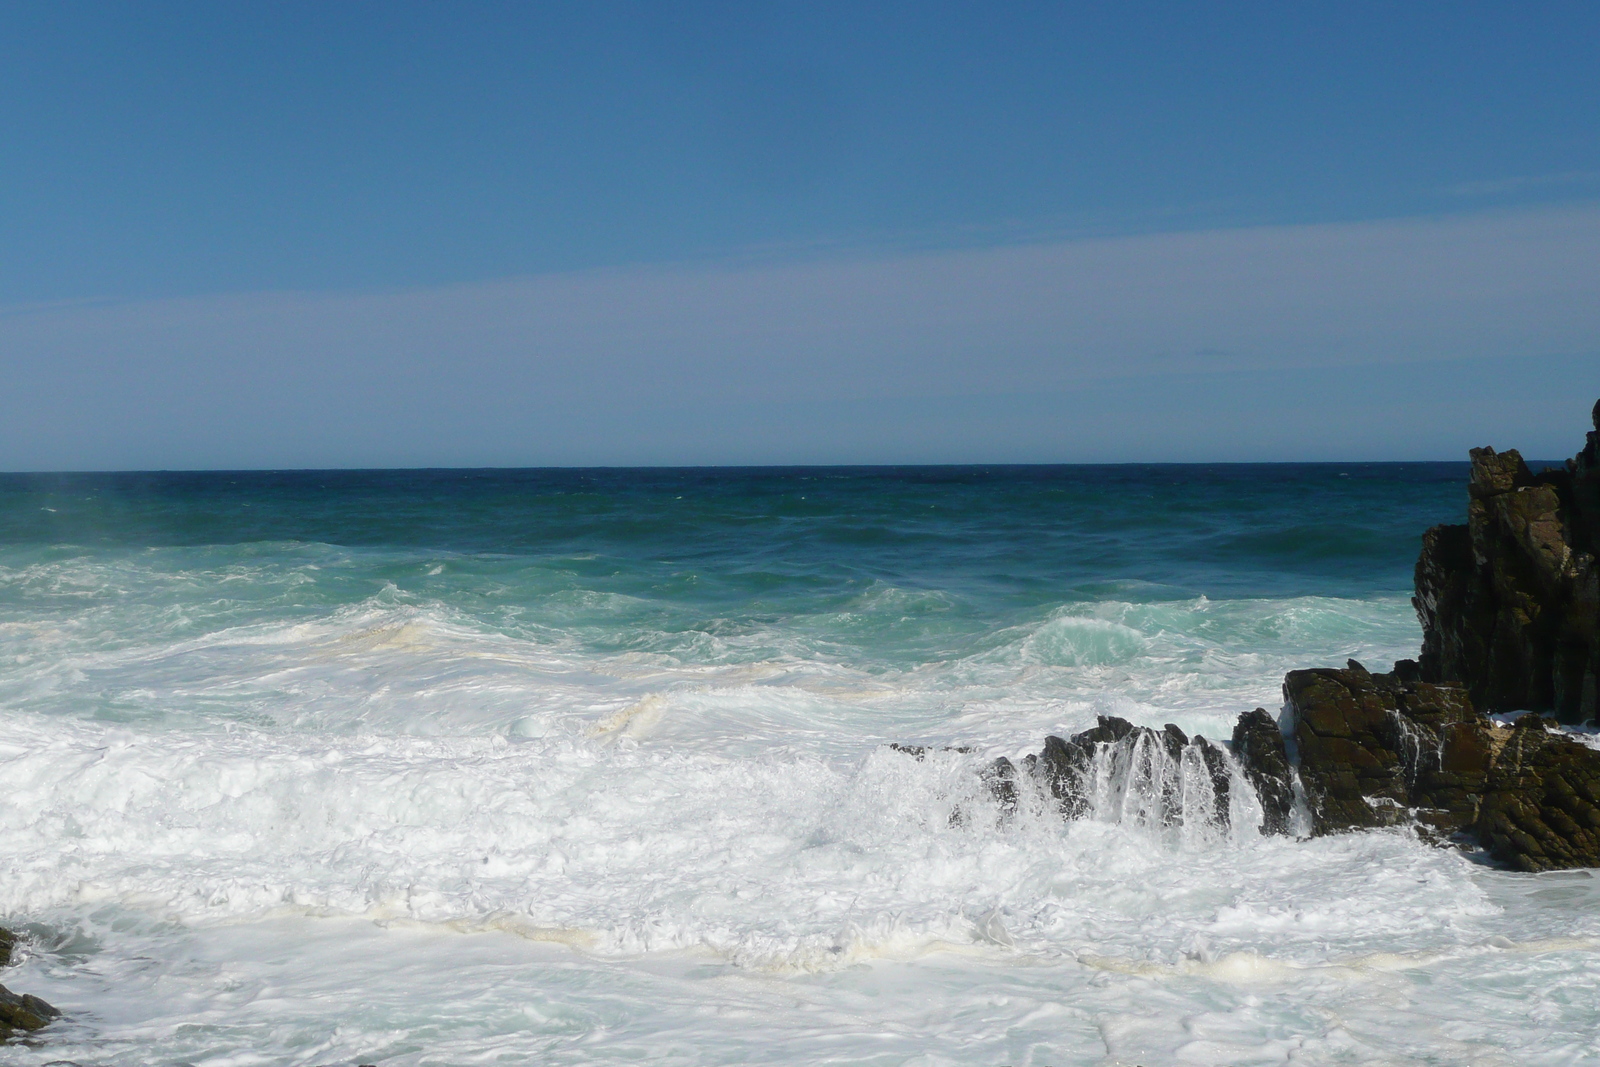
(1259, 748)
(1378, 750)
(1065, 768)
(1001, 778)
(1151, 776)
(1542, 808)
(1510, 602)
(23, 1012)
(8, 941)
(1385, 749)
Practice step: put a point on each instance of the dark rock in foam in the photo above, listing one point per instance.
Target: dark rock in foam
(23, 1012)
(20, 1012)
(1258, 746)
(1157, 765)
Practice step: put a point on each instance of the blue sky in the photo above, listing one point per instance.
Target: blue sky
(727, 233)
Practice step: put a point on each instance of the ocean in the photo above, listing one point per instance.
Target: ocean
(594, 767)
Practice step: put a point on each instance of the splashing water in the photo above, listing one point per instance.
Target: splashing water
(589, 767)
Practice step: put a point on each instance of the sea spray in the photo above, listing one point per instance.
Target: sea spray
(433, 767)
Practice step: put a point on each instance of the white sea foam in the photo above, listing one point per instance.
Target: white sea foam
(245, 830)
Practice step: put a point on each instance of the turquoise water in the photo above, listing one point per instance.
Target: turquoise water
(589, 766)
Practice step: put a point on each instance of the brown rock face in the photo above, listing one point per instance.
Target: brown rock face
(1542, 809)
(1510, 602)
(1384, 749)
(23, 1012)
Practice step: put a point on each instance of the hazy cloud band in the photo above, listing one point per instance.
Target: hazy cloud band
(1352, 340)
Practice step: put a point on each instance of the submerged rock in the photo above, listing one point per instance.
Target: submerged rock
(20, 1011)
(1510, 602)
(23, 1012)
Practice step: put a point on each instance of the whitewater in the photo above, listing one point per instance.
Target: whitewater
(596, 767)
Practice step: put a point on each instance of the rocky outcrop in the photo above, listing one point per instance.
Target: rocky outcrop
(1362, 751)
(1510, 602)
(20, 1012)
(1541, 810)
(23, 1013)
(1510, 608)
(1379, 749)
(1156, 777)
(1387, 749)
(1259, 748)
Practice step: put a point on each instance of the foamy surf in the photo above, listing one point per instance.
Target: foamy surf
(423, 800)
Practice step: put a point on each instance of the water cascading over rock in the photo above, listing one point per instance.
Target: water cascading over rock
(1510, 609)
(1157, 779)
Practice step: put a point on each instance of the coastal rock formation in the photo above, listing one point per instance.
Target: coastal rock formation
(1134, 773)
(1259, 748)
(1379, 749)
(1385, 749)
(1371, 750)
(1368, 750)
(1510, 602)
(23, 1012)
(19, 1011)
(1510, 608)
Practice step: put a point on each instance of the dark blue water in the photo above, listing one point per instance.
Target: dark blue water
(1028, 532)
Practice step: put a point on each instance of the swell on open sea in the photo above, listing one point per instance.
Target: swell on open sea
(592, 767)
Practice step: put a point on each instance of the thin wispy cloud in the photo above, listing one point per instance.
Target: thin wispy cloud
(1526, 183)
(975, 354)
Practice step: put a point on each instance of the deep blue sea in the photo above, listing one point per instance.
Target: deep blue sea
(591, 767)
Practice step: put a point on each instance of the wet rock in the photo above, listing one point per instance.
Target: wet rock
(1221, 775)
(1510, 602)
(1001, 778)
(1542, 808)
(1127, 772)
(1258, 746)
(23, 1012)
(19, 1012)
(1066, 767)
(1378, 750)
(1383, 749)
